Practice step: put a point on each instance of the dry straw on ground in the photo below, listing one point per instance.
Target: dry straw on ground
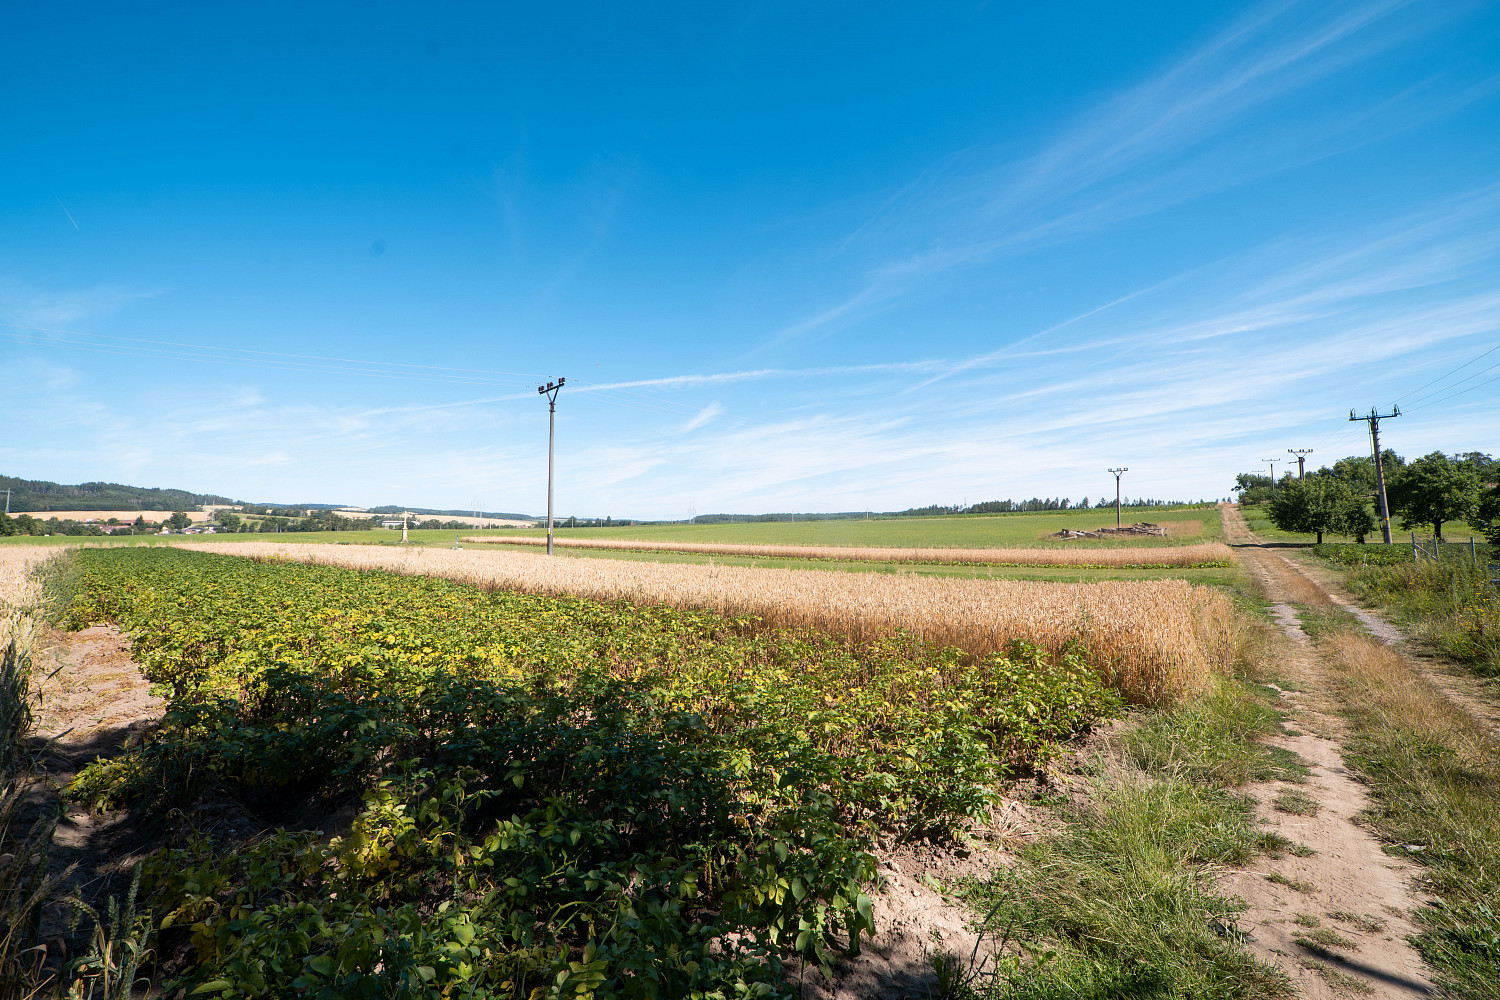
(1382, 680)
(1155, 639)
(1204, 553)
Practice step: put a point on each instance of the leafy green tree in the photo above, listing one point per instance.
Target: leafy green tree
(178, 520)
(7, 525)
(1319, 504)
(1485, 517)
(1252, 487)
(1433, 489)
(228, 521)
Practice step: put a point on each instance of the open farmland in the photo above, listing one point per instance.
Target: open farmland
(557, 792)
(1203, 554)
(974, 531)
(1156, 639)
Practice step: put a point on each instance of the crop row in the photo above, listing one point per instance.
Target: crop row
(1201, 554)
(1153, 640)
(559, 793)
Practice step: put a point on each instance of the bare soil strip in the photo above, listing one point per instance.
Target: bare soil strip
(94, 702)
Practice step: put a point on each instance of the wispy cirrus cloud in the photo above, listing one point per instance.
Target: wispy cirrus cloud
(1160, 143)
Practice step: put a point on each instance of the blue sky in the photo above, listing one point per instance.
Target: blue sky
(789, 256)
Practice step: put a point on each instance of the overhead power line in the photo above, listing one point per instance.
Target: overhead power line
(1460, 392)
(1455, 371)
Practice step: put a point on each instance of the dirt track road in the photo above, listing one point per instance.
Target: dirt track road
(1350, 890)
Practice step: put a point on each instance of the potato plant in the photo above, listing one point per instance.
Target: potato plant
(557, 795)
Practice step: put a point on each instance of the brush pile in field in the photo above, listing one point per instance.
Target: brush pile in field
(1139, 528)
(1202, 554)
(1153, 640)
(562, 797)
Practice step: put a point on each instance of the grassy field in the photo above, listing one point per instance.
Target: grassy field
(550, 770)
(966, 531)
(1185, 526)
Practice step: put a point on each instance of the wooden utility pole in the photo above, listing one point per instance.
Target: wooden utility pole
(1382, 509)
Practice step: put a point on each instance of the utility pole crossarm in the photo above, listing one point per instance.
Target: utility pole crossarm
(1272, 463)
(1301, 454)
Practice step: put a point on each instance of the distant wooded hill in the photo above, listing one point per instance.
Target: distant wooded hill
(37, 494)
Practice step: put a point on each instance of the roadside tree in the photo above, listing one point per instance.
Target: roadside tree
(1252, 487)
(1320, 504)
(1485, 517)
(1434, 489)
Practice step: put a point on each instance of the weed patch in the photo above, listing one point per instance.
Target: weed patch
(1340, 982)
(1215, 739)
(1324, 939)
(1296, 802)
(1296, 885)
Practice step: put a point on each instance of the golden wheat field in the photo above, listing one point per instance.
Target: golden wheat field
(20, 592)
(1202, 554)
(1155, 640)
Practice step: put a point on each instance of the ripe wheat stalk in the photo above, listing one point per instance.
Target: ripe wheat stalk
(1201, 554)
(1154, 640)
(20, 591)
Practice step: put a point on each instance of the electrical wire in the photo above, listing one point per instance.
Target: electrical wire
(1459, 392)
(1460, 368)
(1422, 401)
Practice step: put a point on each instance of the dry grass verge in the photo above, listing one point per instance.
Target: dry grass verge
(1202, 554)
(1434, 773)
(1155, 640)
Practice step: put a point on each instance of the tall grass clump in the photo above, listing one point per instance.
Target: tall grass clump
(1449, 605)
(1202, 554)
(1122, 902)
(1153, 641)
